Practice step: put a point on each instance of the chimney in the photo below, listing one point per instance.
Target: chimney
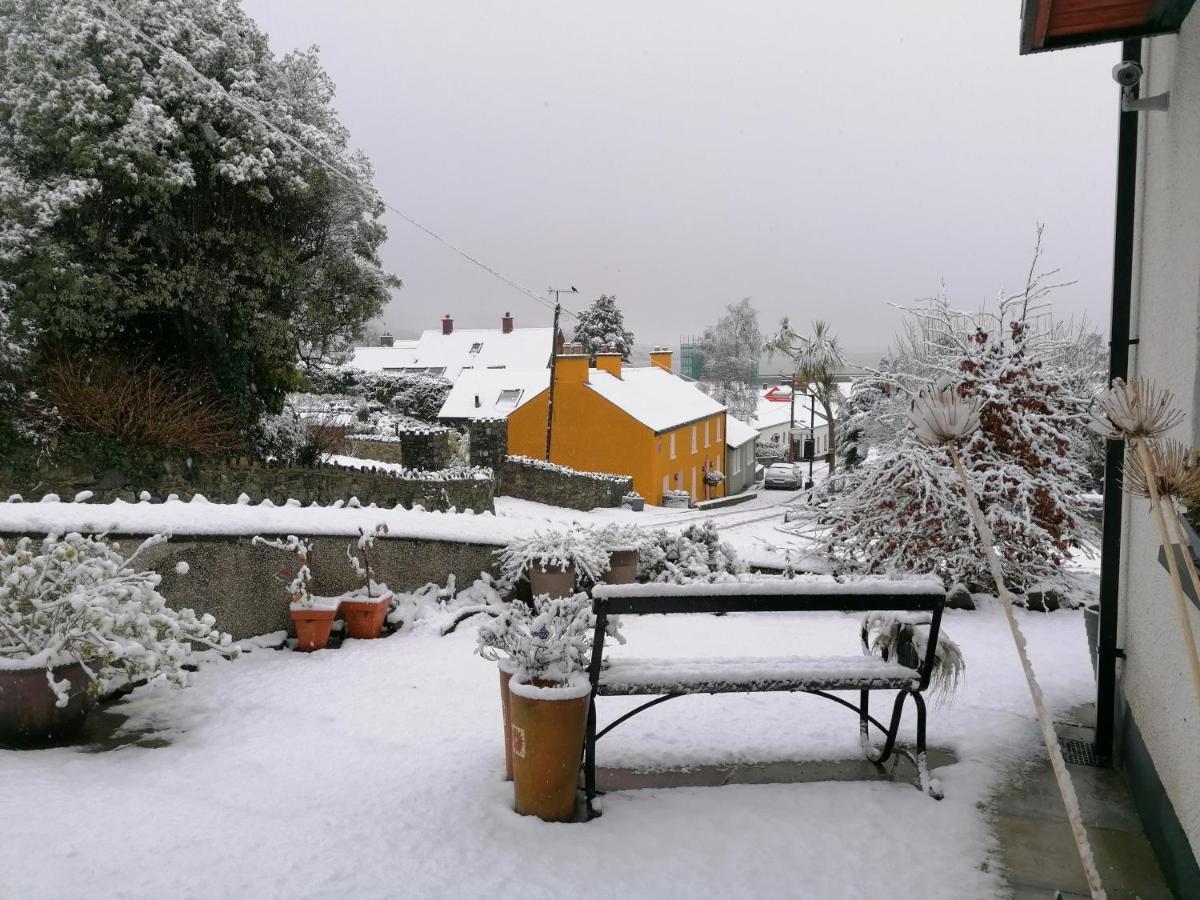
(386, 340)
(661, 357)
(609, 360)
(447, 325)
(571, 366)
(506, 323)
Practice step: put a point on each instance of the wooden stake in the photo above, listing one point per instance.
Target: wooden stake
(1057, 763)
(1181, 601)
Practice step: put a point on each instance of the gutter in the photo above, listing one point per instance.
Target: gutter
(1118, 367)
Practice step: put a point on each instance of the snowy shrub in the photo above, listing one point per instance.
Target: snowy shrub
(765, 451)
(284, 438)
(298, 580)
(405, 394)
(904, 638)
(550, 639)
(576, 546)
(713, 477)
(75, 599)
(695, 554)
(360, 553)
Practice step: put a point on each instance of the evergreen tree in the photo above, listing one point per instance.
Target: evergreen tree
(144, 216)
(730, 351)
(601, 326)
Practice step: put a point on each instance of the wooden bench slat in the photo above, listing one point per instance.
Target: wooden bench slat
(713, 675)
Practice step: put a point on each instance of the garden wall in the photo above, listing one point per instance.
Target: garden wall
(223, 481)
(535, 479)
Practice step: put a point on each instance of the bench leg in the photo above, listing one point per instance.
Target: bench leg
(589, 762)
(873, 753)
(864, 735)
(928, 783)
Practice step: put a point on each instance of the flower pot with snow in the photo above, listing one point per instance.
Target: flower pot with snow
(553, 561)
(30, 712)
(633, 501)
(543, 653)
(622, 567)
(365, 610)
(82, 621)
(507, 668)
(312, 616)
(547, 723)
(621, 542)
(676, 500)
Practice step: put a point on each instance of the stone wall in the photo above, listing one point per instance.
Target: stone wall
(488, 439)
(223, 481)
(429, 448)
(535, 479)
(376, 447)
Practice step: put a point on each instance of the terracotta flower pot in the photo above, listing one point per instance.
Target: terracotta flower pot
(312, 627)
(546, 734)
(29, 716)
(365, 617)
(506, 674)
(552, 581)
(622, 567)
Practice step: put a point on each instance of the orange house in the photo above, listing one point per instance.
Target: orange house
(643, 422)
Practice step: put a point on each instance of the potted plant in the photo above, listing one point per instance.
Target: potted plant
(548, 647)
(622, 542)
(77, 621)
(312, 616)
(713, 477)
(676, 499)
(553, 560)
(633, 501)
(365, 609)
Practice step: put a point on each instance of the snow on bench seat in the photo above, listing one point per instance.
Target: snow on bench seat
(715, 675)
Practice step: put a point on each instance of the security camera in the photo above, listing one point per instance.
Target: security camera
(1127, 73)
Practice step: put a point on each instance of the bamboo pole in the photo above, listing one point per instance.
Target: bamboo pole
(1181, 601)
(1057, 763)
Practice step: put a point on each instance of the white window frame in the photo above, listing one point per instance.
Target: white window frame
(694, 448)
(694, 494)
(672, 445)
(707, 442)
(719, 421)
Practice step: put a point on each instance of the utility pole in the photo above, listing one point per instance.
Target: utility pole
(791, 454)
(812, 430)
(553, 363)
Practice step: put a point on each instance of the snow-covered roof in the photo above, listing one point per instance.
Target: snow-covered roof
(653, 396)
(738, 432)
(499, 392)
(464, 349)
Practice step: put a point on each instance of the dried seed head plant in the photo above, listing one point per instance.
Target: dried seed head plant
(1176, 470)
(1135, 410)
(940, 416)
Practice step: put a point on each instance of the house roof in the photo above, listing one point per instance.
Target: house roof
(1057, 24)
(738, 432)
(464, 349)
(656, 398)
(496, 391)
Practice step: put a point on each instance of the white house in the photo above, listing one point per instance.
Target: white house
(774, 420)
(449, 352)
(492, 393)
(1148, 715)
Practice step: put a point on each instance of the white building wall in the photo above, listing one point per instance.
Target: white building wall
(1155, 679)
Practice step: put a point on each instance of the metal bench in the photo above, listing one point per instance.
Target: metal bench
(667, 678)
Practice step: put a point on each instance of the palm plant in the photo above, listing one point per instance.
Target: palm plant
(816, 358)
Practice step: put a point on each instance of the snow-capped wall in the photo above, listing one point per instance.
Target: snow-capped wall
(1154, 678)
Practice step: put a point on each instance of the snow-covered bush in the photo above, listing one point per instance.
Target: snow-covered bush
(695, 554)
(298, 579)
(713, 477)
(766, 451)
(904, 638)
(552, 549)
(550, 639)
(360, 553)
(902, 510)
(406, 394)
(75, 599)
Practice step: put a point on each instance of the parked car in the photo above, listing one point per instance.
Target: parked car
(789, 476)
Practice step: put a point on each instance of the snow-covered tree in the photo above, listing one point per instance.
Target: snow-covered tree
(730, 350)
(903, 510)
(602, 326)
(144, 214)
(816, 358)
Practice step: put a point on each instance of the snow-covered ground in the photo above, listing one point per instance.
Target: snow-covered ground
(376, 770)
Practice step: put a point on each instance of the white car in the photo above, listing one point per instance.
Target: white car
(789, 476)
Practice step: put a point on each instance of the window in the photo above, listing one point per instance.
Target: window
(693, 438)
(693, 474)
(707, 442)
(509, 398)
(719, 430)
(672, 446)
(736, 468)
(666, 483)
(476, 347)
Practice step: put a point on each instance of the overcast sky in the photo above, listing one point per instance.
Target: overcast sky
(823, 159)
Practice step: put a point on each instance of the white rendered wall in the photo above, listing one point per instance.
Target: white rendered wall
(1155, 679)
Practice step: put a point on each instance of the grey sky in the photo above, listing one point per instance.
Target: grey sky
(822, 159)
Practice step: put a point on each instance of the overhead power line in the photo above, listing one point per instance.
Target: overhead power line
(329, 166)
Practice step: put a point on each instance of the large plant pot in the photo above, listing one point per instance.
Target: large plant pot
(365, 617)
(546, 733)
(622, 567)
(506, 674)
(312, 627)
(29, 716)
(552, 581)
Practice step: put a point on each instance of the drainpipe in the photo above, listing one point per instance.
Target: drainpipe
(1118, 367)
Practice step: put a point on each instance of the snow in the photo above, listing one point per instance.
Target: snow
(738, 432)
(519, 349)
(387, 756)
(634, 675)
(486, 386)
(783, 587)
(653, 396)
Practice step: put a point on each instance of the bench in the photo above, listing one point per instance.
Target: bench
(668, 678)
